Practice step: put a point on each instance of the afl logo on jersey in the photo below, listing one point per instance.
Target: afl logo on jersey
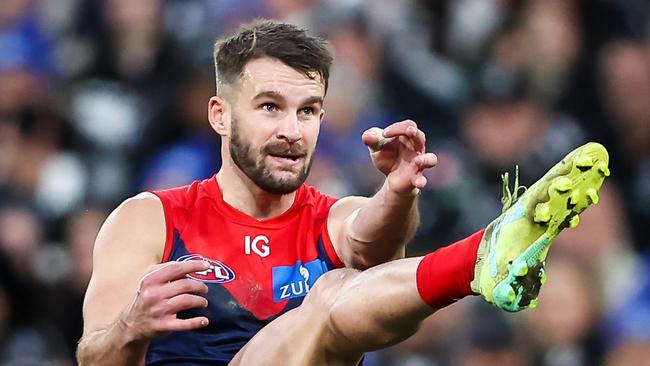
(217, 273)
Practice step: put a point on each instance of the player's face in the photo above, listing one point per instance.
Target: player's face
(275, 123)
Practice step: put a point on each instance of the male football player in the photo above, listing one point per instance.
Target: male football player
(189, 275)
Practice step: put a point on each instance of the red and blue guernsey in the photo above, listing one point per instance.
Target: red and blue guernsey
(259, 270)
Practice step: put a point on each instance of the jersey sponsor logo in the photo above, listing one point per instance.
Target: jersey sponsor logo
(261, 250)
(217, 273)
(295, 281)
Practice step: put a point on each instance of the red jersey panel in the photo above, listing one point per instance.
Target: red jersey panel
(259, 268)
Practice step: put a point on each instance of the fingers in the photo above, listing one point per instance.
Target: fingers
(179, 325)
(409, 129)
(403, 157)
(419, 181)
(374, 139)
(425, 161)
(185, 302)
(163, 293)
(404, 128)
(420, 141)
(170, 271)
(182, 286)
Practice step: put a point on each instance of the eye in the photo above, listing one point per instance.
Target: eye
(269, 107)
(307, 111)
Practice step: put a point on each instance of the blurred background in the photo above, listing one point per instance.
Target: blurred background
(101, 99)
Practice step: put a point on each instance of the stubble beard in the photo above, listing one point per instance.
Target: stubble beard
(255, 168)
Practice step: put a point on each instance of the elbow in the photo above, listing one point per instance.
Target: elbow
(359, 254)
(362, 263)
(81, 354)
(367, 255)
(86, 353)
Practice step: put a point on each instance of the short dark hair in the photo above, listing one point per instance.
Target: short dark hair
(265, 38)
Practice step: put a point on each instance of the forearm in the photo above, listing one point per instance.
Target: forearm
(111, 346)
(379, 230)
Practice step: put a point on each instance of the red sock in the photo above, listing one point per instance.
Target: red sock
(444, 276)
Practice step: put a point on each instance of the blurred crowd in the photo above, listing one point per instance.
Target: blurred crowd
(101, 99)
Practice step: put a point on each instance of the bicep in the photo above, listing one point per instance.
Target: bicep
(338, 222)
(129, 243)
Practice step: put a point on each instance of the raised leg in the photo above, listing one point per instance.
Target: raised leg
(349, 312)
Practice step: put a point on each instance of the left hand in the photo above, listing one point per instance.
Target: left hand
(398, 151)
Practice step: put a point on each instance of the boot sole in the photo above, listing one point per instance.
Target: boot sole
(568, 196)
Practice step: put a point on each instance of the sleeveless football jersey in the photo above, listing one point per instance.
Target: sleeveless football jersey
(259, 270)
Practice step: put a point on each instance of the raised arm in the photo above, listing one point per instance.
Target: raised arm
(368, 231)
(132, 298)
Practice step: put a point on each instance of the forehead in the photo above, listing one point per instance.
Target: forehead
(267, 74)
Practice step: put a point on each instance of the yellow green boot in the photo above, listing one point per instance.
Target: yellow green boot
(510, 263)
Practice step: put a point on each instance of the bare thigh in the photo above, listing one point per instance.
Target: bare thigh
(302, 336)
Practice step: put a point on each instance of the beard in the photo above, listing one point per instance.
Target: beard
(255, 168)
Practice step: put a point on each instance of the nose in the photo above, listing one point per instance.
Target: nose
(289, 128)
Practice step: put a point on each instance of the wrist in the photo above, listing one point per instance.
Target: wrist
(128, 337)
(407, 195)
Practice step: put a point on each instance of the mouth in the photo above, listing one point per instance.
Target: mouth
(286, 159)
(291, 157)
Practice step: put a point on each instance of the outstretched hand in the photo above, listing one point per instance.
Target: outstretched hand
(398, 151)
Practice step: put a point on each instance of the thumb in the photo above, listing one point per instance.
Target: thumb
(374, 139)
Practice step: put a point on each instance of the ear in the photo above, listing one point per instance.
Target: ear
(219, 115)
(322, 115)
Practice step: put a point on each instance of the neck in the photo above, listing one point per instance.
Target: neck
(240, 192)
